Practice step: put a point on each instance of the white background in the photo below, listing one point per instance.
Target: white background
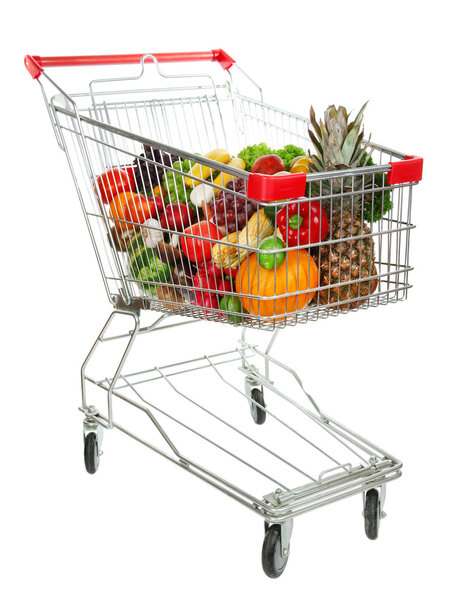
(124, 532)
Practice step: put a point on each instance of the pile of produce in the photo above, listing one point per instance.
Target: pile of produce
(191, 236)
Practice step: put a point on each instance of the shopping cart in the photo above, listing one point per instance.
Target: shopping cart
(188, 231)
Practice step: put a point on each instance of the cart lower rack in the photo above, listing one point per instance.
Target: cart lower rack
(207, 204)
(349, 465)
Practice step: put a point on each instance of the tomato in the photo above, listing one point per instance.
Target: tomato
(199, 250)
(114, 182)
(139, 208)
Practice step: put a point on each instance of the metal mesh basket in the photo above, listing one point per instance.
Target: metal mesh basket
(158, 134)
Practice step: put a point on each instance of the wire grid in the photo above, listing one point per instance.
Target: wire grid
(297, 450)
(114, 133)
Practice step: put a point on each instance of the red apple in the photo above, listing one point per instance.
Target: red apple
(269, 164)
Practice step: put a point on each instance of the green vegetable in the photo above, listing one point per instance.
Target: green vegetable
(157, 271)
(251, 153)
(271, 261)
(145, 265)
(373, 211)
(233, 305)
(288, 153)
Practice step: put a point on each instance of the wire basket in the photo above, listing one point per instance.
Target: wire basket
(180, 226)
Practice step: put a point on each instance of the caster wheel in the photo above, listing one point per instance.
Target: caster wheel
(371, 514)
(273, 562)
(258, 414)
(91, 453)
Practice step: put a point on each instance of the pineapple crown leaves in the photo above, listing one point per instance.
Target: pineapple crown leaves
(337, 142)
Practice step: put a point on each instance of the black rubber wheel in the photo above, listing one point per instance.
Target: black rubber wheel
(91, 453)
(258, 414)
(371, 514)
(273, 562)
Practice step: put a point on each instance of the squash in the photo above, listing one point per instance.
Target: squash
(298, 272)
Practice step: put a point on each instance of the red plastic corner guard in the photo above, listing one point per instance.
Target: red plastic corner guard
(33, 66)
(224, 59)
(409, 169)
(276, 187)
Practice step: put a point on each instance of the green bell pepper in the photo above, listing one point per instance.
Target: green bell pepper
(271, 261)
(233, 305)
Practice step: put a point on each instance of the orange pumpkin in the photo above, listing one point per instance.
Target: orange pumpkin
(298, 272)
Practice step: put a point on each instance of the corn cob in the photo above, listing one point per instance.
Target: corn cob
(258, 228)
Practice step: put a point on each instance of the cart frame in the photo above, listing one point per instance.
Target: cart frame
(369, 467)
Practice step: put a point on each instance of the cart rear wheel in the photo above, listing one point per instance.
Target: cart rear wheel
(371, 514)
(273, 562)
(258, 414)
(91, 452)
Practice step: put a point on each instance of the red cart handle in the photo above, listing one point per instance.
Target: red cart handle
(36, 64)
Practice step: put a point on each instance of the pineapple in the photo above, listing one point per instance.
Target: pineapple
(339, 145)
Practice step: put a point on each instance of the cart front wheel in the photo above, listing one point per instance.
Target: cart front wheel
(257, 407)
(91, 452)
(371, 514)
(273, 561)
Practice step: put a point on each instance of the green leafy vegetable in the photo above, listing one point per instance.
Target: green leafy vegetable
(288, 153)
(373, 211)
(251, 153)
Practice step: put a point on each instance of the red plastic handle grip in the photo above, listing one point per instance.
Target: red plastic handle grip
(36, 64)
(409, 169)
(276, 187)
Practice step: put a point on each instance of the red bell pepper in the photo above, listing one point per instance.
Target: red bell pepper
(303, 223)
(176, 217)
